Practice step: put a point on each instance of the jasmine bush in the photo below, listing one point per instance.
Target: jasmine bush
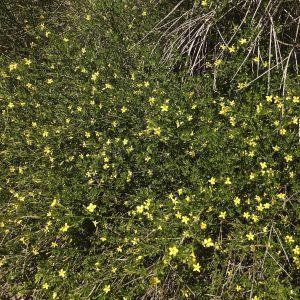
(122, 180)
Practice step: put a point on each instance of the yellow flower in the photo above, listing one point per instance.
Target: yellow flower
(232, 121)
(228, 181)
(123, 109)
(258, 198)
(263, 165)
(62, 273)
(54, 202)
(224, 109)
(13, 66)
(47, 150)
(50, 81)
(196, 267)
(242, 41)
(95, 76)
(218, 62)
(185, 219)
(295, 120)
(42, 26)
(164, 107)
(246, 215)
(296, 250)
(288, 158)
(140, 209)
(242, 85)
(281, 196)
(54, 244)
(212, 181)
(237, 201)
(157, 130)
(232, 49)
(250, 236)
(106, 289)
(265, 64)
(187, 198)
(238, 288)
(204, 3)
(255, 218)
(296, 99)
(269, 98)
(45, 133)
(108, 86)
(282, 131)
(154, 280)
(203, 225)
(260, 207)
(289, 239)
(178, 215)
(173, 251)
(252, 176)
(65, 228)
(151, 100)
(91, 207)
(45, 286)
(208, 243)
(27, 61)
(132, 76)
(88, 17)
(222, 215)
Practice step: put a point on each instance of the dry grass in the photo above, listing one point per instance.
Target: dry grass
(197, 33)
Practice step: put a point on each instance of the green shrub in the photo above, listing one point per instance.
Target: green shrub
(120, 180)
(19, 18)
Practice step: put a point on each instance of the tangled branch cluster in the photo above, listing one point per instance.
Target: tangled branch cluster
(206, 31)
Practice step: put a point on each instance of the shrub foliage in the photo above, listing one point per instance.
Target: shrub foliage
(121, 180)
